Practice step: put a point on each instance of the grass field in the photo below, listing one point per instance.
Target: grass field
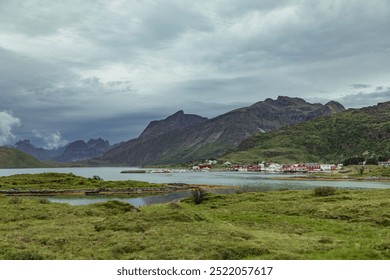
(347, 224)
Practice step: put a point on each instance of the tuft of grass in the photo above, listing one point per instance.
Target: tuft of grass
(241, 252)
(15, 200)
(324, 191)
(44, 201)
(116, 206)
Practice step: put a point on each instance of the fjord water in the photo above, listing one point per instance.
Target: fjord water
(265, 181)
(253, 180)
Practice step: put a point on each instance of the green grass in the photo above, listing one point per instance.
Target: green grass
(65, 181)
(272, 225)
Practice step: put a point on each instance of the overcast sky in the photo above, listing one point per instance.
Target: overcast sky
(81, 69)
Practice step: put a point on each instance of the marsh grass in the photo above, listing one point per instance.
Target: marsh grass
(272, 225)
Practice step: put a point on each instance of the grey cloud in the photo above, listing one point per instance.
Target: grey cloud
(52, 140)
(42, 17)
(358, 100)
(7, 123)
(360, 86)
(84, 67)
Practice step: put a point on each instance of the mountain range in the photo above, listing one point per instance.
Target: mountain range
(75, 151)
(183, 138)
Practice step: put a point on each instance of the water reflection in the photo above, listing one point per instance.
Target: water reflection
(136, 201)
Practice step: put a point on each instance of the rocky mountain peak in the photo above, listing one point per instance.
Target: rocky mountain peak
(24, 143)
(335, 106)
(176, 121)
(177, 114)
(285, 101)
(98, 143)
(81, 150)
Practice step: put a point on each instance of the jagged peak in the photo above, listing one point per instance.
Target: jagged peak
(281, 99)
(180, 112)
(177, 120)
(335, 106)
(25, 141)
(98, 140)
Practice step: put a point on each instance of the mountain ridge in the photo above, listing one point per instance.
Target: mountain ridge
(213, 137)
(72, 152)
(363, 132)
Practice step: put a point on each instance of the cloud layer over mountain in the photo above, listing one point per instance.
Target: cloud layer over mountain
(88, 69)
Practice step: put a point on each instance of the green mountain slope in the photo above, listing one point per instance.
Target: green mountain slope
(355, 132)
(13, 158)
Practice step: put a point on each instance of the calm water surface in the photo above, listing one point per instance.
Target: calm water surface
(136, 201)
(260, 181)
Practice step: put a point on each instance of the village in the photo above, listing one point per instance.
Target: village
(275, 167)
(268, 167)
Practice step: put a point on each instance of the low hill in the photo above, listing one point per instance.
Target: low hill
(213, 137)
(13, 158)
(353, 133)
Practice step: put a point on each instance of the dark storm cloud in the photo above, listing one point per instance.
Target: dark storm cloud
(80, 69)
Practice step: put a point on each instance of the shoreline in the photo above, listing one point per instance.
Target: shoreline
(320, 178)
(170, 188)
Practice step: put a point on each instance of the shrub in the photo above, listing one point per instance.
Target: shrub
(15, 200)
(97, 178)
(199, 195)
(44, 201)
(324, 191)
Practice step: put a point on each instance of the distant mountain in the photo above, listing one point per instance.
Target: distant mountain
(81, 150)
(13, 158)
(363, 133)
(212, 138)
(38, 153)
(75, 151)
